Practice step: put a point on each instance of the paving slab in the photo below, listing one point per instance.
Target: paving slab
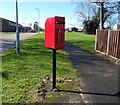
(99, 75)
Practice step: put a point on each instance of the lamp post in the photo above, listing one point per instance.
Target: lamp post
(17, 31)
(38, 16)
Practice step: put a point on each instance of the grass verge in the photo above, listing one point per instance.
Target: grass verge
(81, 40)
(21, 73)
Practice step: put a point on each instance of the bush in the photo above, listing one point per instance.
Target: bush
(90, 26)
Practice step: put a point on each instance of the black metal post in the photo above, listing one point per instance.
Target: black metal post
(54, 68)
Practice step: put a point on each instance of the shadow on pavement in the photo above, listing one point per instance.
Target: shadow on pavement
(92, 93)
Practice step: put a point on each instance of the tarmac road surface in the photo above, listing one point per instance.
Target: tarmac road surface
(99, 75)
(7, 40)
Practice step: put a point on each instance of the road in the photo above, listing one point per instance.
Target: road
(7, 40)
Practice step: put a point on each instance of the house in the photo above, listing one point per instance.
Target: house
(8, 26)
(74, 29)
(67, 30)
(80, 30)
(25, 29)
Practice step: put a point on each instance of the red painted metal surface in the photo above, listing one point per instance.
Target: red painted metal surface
(54, 32)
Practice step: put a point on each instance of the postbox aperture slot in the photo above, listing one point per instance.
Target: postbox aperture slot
(60, 23)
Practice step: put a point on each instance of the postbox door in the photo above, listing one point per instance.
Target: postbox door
(59, 38)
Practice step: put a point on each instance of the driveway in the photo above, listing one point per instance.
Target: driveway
(8, 40)
(100, 76)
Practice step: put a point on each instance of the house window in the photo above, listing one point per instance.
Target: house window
(9, 23)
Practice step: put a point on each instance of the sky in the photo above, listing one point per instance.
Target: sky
(28, 13)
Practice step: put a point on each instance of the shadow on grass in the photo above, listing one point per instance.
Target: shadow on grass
(4, 74)
(92, 93)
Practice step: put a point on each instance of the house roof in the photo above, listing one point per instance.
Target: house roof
(8, 20)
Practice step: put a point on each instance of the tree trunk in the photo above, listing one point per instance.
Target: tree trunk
(101, 15)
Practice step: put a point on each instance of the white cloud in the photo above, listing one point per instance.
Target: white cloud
(42, 23)
(72, 23)
(68, 23)
(115, 27)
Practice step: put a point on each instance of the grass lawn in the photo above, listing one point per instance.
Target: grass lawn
(21, 73)
(81, 40)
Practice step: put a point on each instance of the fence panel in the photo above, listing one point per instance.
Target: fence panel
(108, 41)
(101, 41)
(114, 43)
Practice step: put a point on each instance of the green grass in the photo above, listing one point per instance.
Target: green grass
(81, 40)
(21, 73)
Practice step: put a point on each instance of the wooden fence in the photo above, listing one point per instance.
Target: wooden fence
(108, 41)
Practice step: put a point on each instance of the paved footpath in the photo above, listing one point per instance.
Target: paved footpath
(99, 75)
(7, 40)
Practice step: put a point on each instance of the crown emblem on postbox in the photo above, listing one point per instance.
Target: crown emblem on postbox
(54, 32)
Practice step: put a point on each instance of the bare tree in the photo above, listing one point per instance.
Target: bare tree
(86, 10)
(36, 27)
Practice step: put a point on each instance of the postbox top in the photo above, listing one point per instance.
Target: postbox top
(57, 19)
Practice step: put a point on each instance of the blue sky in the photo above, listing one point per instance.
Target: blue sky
(28, 13)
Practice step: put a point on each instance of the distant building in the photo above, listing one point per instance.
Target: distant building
(80, 30)
(74, 29)
(67, 30)
(8, 26)
(25, 29)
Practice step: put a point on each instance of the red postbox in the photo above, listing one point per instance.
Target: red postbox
(54, 32)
